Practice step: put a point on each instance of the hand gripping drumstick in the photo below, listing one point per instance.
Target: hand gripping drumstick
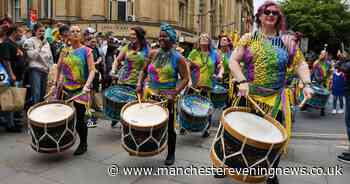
(302, 103)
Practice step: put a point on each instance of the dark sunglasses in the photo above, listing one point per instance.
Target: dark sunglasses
(271, 13)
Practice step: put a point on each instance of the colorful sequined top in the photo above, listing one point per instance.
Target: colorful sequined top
(163, 70)
(225, 57)
(75, 71)
(266, 61)
(322, 72)
(205, 66)
(132, 65)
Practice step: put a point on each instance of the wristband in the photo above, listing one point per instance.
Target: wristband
(242, 81)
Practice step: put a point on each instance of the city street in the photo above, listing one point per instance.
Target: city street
(315, 143)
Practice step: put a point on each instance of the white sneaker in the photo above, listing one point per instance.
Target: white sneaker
(340, 111)
(334, 111)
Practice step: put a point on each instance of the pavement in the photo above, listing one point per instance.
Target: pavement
(315, 143)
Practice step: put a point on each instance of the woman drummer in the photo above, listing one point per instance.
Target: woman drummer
(225, 50)
(159, 77)
(133, 57)
(206, 67)
(77, 67)
(225, 47)
(266, 55)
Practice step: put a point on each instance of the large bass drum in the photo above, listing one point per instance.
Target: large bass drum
(144, 128)
(52, 126)
(245, 140)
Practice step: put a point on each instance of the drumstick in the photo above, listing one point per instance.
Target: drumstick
(74, 97)
(48, 94)
(256, 105)
(302, 103)
(196, 90)
(139, 98)
(158, 103)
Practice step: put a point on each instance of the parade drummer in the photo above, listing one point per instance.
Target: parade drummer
(225, 49)
(205, 64)
(322, 73)
(266, 55)
(159, 77)
(77, 67)
(133, 57)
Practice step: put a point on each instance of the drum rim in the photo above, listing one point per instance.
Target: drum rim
(210, 111)
(125, 123)
(221, 92)
(118, 85)
(55, 123)
(145, 154)
(240, 178)
(250, 141)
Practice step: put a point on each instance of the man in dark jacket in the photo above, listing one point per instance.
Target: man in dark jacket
(344, 66)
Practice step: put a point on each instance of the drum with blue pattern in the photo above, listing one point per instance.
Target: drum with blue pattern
(114, 98)
(218, 96)
(319, 98)
(194, 112)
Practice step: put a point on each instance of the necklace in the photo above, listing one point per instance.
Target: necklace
(162, 58)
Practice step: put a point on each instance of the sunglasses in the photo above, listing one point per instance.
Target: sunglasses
(271, 13)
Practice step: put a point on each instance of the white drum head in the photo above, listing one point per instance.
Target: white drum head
(51, 113)
(254, 127)
(144, 115)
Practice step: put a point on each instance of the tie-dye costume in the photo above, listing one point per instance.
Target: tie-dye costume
(266, 62)
(75, 72)
(205, 66)
(132, 65)
(163, 72)
(322, 72)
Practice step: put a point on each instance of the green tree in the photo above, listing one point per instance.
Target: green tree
(322, 21)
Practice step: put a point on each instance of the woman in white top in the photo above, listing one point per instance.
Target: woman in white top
(40, 61)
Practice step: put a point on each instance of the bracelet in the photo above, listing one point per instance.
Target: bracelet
(242, 81)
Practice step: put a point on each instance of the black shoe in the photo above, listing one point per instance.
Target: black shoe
(206, 134)
(170, 159)
(344, 158)
(273, 180)
(82, 148)
(113, 123)
(322, 113)
(182, 131)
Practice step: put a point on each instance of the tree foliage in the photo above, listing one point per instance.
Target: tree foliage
(322, 21)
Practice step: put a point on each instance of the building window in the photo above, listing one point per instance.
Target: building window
(122, 10)
(46, 8)
(182, 13)
(17, 10)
